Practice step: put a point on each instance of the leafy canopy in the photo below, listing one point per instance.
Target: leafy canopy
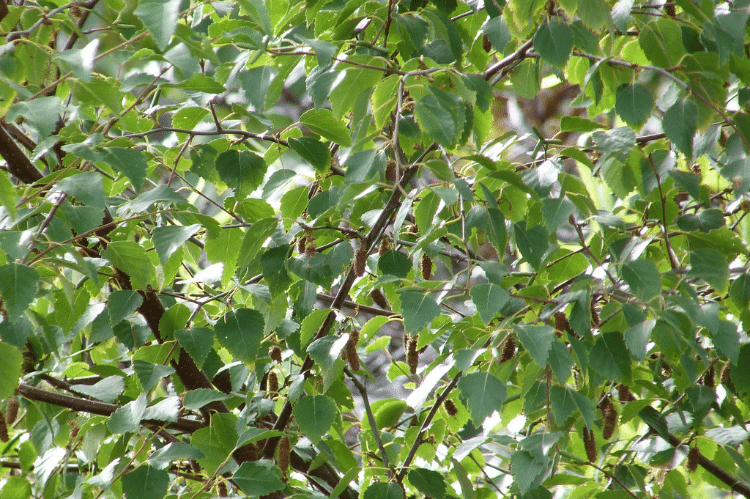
(356, 248)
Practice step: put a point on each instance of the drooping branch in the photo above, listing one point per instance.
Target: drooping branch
(19, 165)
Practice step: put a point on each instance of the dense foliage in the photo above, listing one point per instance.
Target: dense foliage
(519, 226)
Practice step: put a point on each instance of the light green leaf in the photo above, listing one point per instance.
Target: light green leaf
(593, 13)
(216, 441)
(146, 483)
(106, 390)
(10, 369)
(527, 468)
(483, 392)
(727, 341)
(418, 310)
(314, 415)
(241, 332)
(489, 299)
(322, 122)
(188, 117)
(637, 338)
(311, 324)
(554, 42)
(164, 456)
(610, 358)
(85, 187)
(537, 340)
(129, 162)
(167, 409)
(18, 285)
(560, 361)
(225, 249)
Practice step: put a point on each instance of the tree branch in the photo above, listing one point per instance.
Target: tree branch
(18, 164)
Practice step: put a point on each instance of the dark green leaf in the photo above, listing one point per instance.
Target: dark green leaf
(241, 170)
(168, 239)
(322, 122)
(131, 258)
(610, 358)
(679, 124)
(150, 374)
(554, 42)
(634, 104)
(313, 151)
(441, 116)
(643, 278)
(537, 340)
(145, 483)
(176, 450)
(532, 243)
(428, 482)
(258, 478)
(394, 263)
(121, 304)
(489, 299)
(637, 338)
(556, 212)
(483, 392)
(129, 162)
(418, 310)
(711, 266)
(255, 83)
(128, 417)
(18, 285)
(727, 341)
(314, 416)
(383, 490)
(241, 332)
(560, 361)
(195, 399)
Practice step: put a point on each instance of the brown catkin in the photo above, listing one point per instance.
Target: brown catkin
(726, 375)
(273, 382)
(709, 379)
(594, 314)
(385, 246)
(74, 429)
(379, 298)
(11, 410)
(75, 11)
(390, 171)
(275, 353)
(222, 489)
(3, 429)
(561, 323)
(360, 259)
(284, 451)
(351, 350)
(610, 422)
(425, 266)
(692, 460)
(412, 355)
(311, 249)
(450, 408)
(195, 466)
(301, 244)
(486, 44)
(623, 392)
(509, 350)
(590, 443)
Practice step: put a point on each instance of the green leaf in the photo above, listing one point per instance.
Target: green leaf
(241, 170)
(554, 42)
(428, 482)
(560, 361)
(322, 122)
(383, 490)
(637, 338)
(418, 310)
(441, 116)
(197, 342)
(489, 300)
(150, 374)
(216, 441)
(532, 243)
(386, 412)
(313, 151)
(258, 478)
(128, 417)
(594, 13)
(164, 456)
(311, 324)
(10, 369)
(634, 104)
(537, 340)
(129, 162)
(106, 390)
(121, 304)
(168, 239)
(188, 117)
(741, 370)
(225, 249)
(314, 416)
(241, 332)
(325, 351)
(556, 212)
(16, 487)
(527, 468)
(85, 187)
(610, 358)
(679, 124)
(394, 262)
(199, 82)
(483, 392)
(727, 341)
(496, 230)
(643, 278)
(131, 258)
(195, 399)
(18, 284)
(711, 266)
(255, 82)
(146, 483)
